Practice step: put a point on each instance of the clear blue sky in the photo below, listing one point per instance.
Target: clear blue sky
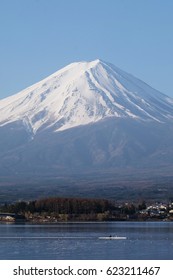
(38, 37)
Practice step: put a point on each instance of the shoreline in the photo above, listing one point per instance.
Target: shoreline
(48, 222)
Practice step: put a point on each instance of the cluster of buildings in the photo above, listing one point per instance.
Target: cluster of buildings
(158, 210)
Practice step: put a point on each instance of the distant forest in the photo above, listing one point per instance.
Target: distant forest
(66, 209)
(60, 206)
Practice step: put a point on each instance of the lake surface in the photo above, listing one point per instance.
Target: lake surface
(68, 241)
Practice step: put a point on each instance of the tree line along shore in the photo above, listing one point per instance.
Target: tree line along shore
(57, 209)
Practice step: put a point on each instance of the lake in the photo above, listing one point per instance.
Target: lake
(68, 241)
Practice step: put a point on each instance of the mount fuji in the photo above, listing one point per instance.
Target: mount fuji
(87, 117)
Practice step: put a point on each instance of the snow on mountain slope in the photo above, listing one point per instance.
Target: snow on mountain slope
(83, 93)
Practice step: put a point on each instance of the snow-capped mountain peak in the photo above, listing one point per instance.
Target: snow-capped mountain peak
(83, 93)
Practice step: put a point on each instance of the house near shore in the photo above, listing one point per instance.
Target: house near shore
(10, 217)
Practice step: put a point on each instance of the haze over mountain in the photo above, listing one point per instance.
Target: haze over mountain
(86, 117)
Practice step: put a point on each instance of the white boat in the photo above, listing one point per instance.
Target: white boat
(113, 237)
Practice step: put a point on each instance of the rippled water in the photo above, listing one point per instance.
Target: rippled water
(145, 240)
